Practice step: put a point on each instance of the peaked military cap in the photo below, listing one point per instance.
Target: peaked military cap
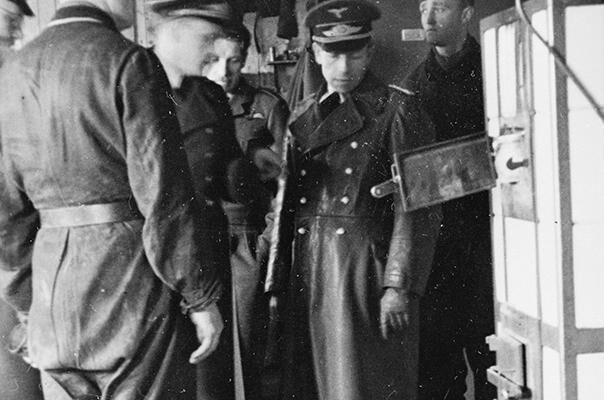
(23, 6)
(216, 11)
(337, 21)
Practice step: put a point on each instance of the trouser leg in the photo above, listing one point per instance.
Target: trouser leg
(159, 370)
(250, 307)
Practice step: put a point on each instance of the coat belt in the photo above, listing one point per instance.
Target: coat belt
(89, 214)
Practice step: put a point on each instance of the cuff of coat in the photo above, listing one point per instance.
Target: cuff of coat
(396, 280)
(198, 300)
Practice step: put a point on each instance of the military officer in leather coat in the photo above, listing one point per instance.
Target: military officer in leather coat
(351, 267)
(260, 119)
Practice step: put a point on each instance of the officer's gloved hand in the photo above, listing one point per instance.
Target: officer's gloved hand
(394, 312)
(268, 162)
(208, 325)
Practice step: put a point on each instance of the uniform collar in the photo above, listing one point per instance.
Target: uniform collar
(311, 132)
(87, 12)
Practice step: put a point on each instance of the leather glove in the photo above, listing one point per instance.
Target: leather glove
(208, 325)
(394, 312)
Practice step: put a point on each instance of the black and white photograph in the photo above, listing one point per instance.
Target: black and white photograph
(301, 199)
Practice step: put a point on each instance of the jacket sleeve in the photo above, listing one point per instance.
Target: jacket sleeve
(414, 233)
(161, 183)
(19, 223)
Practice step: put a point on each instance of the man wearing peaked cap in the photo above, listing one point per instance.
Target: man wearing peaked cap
(212, 10)
(342, 24)
(22, 4)
(349, 266)
(186, 37)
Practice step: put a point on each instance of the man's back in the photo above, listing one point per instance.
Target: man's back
(92, 167)
(71, 82)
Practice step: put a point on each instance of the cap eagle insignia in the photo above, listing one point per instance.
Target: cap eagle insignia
(337, 11)
(342, 30)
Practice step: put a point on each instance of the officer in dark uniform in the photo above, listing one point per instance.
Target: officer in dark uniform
(185, 37)
(351, 267)
(260, 119)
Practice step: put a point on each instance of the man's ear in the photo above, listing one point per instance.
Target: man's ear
(370, 49)
(467, 14)
(317, 50)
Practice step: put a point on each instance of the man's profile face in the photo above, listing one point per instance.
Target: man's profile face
(194, 45)
(11, 20)
(225, 69)
(343, 71)
(443, 20)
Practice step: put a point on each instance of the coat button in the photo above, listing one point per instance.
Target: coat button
(345, 200)
(354, 145)
(340, 231)
(348, 171)
(303, 200)
(303, 172)
(301, 231)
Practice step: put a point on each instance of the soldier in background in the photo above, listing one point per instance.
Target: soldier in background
(350, 267)
(457, 310)
(260, 119)
(187, 37)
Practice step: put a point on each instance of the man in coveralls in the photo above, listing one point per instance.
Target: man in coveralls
(350, 266)
(101, 243)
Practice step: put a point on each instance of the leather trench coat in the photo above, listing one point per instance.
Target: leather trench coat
(339, 247)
